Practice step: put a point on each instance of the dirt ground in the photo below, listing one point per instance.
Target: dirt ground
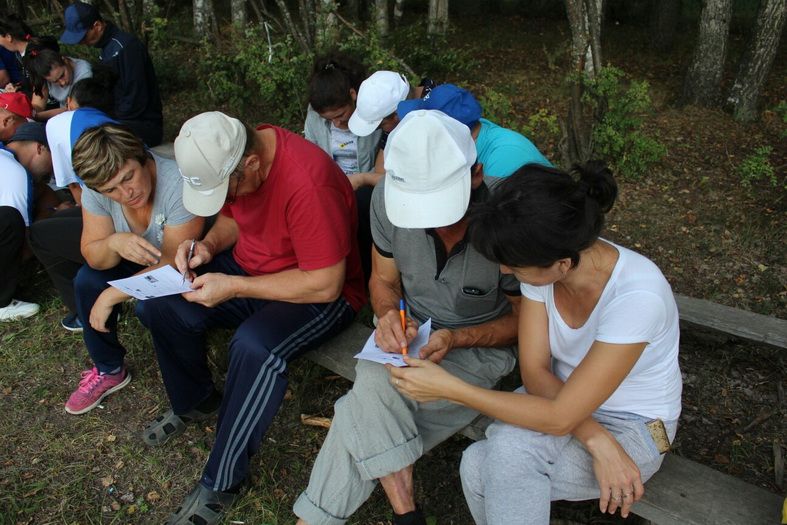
(712, 238)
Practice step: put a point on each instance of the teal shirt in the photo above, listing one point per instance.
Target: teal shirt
(503, 151)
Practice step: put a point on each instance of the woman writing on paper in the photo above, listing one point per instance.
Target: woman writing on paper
(133, 221)
(598, 354)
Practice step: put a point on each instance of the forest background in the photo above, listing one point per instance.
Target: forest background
(685, 99)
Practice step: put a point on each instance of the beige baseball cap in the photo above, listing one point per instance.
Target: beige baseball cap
(207, 150)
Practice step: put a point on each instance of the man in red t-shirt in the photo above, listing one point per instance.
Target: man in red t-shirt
(280, 264)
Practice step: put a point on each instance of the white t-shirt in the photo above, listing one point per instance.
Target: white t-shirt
(15, 185)
(62, 132)
(82, 69)
(636, 306)
(344, 149)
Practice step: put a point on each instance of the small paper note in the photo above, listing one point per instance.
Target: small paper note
(156, 283)
(372, 352)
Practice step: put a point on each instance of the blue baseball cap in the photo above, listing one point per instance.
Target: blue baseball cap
(79, 17)
(452, 100)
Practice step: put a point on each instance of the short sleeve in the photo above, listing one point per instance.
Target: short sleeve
(381, 227)
(95, 203)
(175, 212)
(534, 293)
(320, 226)
(634, 317)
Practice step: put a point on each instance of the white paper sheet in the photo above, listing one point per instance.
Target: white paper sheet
(372, 352)
(156, 283)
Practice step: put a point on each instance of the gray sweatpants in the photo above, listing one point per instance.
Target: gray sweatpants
(511, 477)
(376, 431)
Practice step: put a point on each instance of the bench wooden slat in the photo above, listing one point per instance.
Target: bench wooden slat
(739, 323)
(683, 492)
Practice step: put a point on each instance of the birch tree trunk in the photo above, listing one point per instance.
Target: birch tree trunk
(438, 17)
(398, 12)
(757, 59)
(702, 86)
(202, 16)
(326, 27)
(584, 19)
(238, 8)
(381, 17)
(664, 19)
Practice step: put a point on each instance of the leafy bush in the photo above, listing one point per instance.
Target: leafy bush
(757, 166)
(430, 56)
(250, 71)
(620, 108)
(542, 127)
(496, 106)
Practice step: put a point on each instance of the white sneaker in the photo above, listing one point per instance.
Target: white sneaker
(18, 310)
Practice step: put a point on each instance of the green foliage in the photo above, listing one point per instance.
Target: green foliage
(620, 108)
(497, 106)
(372, 50)
(249, 71)
(757, 166)
(542, 127)
(428, 56)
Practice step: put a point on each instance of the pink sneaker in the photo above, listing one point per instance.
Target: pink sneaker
(93, 388)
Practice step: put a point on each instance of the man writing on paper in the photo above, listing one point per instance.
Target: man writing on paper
(280, 265)
(418, 224)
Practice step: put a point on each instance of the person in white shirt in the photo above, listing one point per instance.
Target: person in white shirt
(598, 354)
(24, 162)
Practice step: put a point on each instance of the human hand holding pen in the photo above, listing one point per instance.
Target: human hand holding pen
(192, 254)
(389, 335)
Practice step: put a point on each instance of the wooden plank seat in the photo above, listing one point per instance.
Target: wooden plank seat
(682, 492)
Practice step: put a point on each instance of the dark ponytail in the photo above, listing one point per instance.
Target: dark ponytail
(333, 76)
(539, 215)
(41, 55)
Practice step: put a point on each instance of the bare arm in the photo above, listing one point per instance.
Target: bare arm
(76, 192)
(173, 237)
(103, 248)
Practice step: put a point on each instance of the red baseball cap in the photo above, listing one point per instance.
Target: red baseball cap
(17, 103)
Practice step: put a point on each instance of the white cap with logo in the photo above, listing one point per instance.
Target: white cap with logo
(428, 159)
(207, 150)
(377, 98)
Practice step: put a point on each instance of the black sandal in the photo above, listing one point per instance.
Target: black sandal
(202, 507)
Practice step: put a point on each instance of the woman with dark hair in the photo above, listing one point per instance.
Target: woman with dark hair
(52, 75)
(14, 36)
(333, 88)
(598, 351)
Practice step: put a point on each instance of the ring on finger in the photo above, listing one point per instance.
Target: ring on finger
(627, 494)
(615, 497)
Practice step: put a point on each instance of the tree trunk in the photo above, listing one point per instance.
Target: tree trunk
(702, 86)
(202, 17)
(584, 19)
(326, 26)
(664, 19)
(238, 8)
(438, 17)
(381, 17)
(398, 12)
(757, 59)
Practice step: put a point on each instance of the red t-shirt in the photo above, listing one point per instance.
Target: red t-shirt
(302, 216)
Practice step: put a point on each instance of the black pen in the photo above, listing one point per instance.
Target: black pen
(188, 259)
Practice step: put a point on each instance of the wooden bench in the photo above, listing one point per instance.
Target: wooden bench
(683, 491)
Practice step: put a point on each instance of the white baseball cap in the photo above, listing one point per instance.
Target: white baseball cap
(207, 150)
(377, 98)
(428, 159)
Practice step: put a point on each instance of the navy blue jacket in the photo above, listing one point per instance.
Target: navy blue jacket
(136, 92)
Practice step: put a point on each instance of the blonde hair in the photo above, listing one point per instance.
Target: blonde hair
(101, 151)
